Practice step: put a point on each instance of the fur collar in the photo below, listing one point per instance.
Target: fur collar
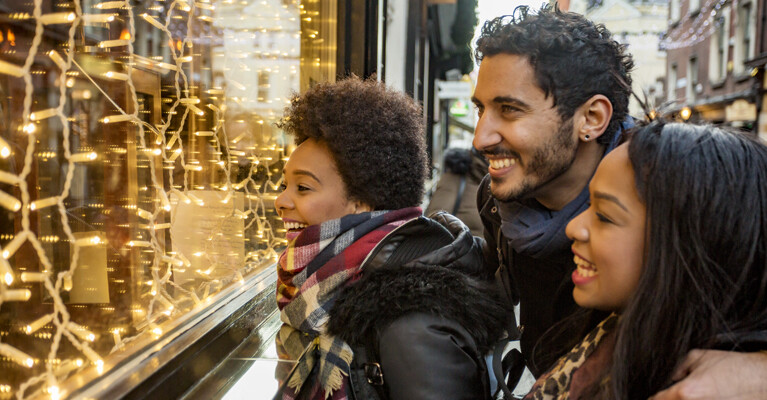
(369, 305)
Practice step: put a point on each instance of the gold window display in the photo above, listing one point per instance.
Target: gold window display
(138, 167)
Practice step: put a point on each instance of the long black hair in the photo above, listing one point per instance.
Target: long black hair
(705, 265)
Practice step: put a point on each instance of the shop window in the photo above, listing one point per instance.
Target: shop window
(139, 163)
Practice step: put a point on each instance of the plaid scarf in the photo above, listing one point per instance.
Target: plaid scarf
(322, 259)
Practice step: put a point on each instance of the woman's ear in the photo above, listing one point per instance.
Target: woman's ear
(594, 117)
(360, 207)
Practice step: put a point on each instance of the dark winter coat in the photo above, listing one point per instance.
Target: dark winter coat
(546, 297)
(421, 321)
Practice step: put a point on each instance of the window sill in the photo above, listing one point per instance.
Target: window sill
(141, 374)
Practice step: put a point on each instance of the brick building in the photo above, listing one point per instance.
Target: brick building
(709, 45)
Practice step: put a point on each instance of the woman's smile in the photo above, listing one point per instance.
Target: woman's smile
(585, 271)
(293, 228)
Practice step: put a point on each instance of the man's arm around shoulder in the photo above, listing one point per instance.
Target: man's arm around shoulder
(714, 374)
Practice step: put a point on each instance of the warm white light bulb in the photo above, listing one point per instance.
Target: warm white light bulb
(30, 128)
(9, 202)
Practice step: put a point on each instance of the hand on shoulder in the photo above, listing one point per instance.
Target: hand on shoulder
(714, 374)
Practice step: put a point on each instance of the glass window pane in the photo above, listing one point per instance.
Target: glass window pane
(139, 163)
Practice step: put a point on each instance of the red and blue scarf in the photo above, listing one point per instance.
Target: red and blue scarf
(319, 261)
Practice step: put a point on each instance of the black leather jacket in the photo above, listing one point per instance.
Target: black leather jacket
(423, 320)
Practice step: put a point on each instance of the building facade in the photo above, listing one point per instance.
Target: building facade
(709, 44)
(639, 25)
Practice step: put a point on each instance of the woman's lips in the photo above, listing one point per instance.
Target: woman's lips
(585, 271)
(291, 235)
(293, 228)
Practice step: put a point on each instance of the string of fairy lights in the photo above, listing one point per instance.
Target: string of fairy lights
(703, 23)
(164, 147)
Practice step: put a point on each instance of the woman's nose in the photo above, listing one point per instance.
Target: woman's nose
(576, 228)
(282, 203)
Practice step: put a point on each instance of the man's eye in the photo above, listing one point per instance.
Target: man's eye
(508, 109)
(302, 188)
(480, 110)
(283, 187)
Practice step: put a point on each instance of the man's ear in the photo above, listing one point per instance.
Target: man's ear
(594, 117)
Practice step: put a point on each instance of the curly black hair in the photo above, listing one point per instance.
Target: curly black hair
(573, 58)
(375, 135)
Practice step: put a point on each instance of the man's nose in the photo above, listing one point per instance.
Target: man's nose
(485, 133)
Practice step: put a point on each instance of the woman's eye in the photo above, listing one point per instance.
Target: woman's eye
(302, 188)
(602, 218)
(283, 187)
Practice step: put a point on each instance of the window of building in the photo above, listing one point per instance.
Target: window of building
(719, 46)
(139, 162)
(692, 79)
(694, 6)
(745, 33)
(671, 85)
(674, 8)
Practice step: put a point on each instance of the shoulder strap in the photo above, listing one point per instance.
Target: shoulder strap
(507, 369)
(424, 236)
(366, 375)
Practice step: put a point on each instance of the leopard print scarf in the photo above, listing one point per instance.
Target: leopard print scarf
(555, 384)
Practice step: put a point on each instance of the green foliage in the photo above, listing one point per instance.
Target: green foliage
(461, 34)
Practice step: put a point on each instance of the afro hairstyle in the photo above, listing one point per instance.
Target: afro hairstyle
(374, 133)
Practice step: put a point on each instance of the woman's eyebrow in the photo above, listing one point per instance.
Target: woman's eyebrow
(306, 173)
(609, 197)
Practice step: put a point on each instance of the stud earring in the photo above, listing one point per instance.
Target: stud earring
(587, 138)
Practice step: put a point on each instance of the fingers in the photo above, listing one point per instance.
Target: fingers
(684, 390)
(690, 362)
(668, 394)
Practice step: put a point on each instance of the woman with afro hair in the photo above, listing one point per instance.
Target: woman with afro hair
(377, 301)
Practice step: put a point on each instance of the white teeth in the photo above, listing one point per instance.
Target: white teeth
(502, 163)
(585, 272)
(584, 267)
(294, 225)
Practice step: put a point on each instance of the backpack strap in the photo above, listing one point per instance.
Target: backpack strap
(507, 369)
(424, 235)
(366, 375)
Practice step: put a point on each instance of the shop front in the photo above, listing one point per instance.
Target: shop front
(139, 162)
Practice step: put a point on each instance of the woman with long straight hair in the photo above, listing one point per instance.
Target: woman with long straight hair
(674, 244)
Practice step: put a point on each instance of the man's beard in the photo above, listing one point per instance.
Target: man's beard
(548, 162)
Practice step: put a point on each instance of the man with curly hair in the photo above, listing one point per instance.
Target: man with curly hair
(552, 99)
